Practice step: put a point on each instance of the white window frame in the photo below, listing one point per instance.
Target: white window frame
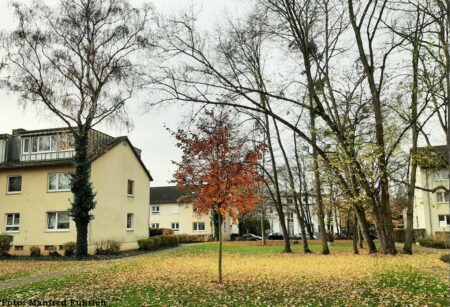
(39, 143)
(21, 184)
(155, 224)
(23, 145)
(131, 221)
(443, 193)
(196, 228)
(15, 216)
(132, 187)
(56, 229)
(57, 183)
(173, 228)
(442, 175)
(155, 211)
(446, 220)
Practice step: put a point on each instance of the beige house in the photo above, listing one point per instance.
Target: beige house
(35, 190)
(166, 211)
(431, 202)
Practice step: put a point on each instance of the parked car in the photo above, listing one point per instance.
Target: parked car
(275, 236)
(251, 237)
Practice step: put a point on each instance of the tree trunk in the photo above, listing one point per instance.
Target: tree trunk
(83, 195)
(355, 236)
(320, 211)
(263, 231)
(361, 242)
(407, 247)
(220, 249)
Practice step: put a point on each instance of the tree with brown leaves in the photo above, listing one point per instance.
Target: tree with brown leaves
(218, 169)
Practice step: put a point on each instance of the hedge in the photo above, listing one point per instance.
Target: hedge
(5, 243)
(154, 243)
(185, 238)
(433, 243)
(153, 232)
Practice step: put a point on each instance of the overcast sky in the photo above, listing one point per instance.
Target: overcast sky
(149, 133)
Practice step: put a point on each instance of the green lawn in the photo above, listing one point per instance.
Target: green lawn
(253, 275)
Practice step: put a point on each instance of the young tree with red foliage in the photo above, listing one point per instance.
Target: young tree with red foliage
(218, 169)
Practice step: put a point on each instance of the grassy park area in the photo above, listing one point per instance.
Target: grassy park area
(253, 275)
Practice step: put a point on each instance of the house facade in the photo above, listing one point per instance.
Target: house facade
(291, 219)
(168, 211)
(35, 194)
(431, 200)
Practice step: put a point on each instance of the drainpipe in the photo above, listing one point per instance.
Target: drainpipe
(429, 203)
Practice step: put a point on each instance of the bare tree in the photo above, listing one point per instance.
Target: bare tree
(76, 59)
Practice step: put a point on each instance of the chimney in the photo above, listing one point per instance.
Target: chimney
(18, 131)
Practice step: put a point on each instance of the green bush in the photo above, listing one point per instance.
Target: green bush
(146, 244)
(5, 243)
(433, 243)
(185, 238)
(445, 258)
(69, 249)
(109, 247)
(157, 242)
(35, 251)
(168, 240)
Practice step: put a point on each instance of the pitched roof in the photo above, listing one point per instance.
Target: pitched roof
(166, 195)
(432, 156)
(64, 162)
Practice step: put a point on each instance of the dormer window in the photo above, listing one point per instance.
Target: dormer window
(26, 145)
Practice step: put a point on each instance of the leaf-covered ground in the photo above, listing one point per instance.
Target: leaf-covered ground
(254, 275)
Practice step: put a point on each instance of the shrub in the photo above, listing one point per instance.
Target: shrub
(35, 251)
(109, 247)
(155, 232)
(69, 249)
(5, 243)
(185, 238)
(146, 244)
(156, 242)
(330, 236)
(166, 232)
(433, 243)
(54, 254)
(445, 258)
(168, 240)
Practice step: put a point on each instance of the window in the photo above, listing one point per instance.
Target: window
(290, 217)
(59, 182)
(66, 142)
(18, 248)
(14, 184)
(155, 225)
(58, 221)
(441, 175)
(442, 197)
(444, 220)
(175, 209)
(199, 226)
(12, 221)
(175, 226)
(155, 209)
(130, 188)
(44, 143)
(26, 145)
(130, 217)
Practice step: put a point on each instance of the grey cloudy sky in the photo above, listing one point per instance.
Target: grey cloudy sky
(149, 132)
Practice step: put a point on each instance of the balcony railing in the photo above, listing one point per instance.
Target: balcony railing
(41, 156)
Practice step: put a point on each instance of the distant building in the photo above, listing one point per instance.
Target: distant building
(431, 200)
(167, 210)
(291, 220)
(35, 190)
